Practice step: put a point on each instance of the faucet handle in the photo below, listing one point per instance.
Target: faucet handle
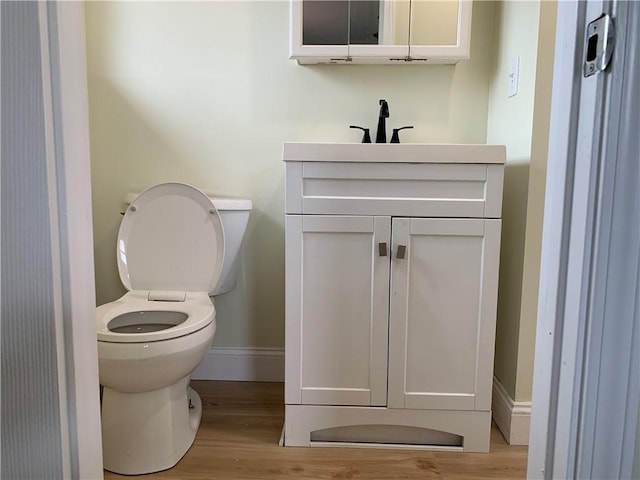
(366, 138)
(395, 138)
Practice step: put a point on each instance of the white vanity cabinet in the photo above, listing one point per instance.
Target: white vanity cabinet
(391, 285)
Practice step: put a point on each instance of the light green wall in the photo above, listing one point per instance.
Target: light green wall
(535, 201)
(525, 29)
(510, 122)
(204, 93)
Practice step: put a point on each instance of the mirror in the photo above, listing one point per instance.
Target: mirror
(380, 31)
(380, 22)
(354, 22)
(434, 22)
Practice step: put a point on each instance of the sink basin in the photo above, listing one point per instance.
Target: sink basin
(393, 152)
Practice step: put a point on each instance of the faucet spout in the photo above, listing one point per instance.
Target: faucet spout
(381, 133)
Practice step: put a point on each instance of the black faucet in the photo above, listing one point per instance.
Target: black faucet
(381, 134)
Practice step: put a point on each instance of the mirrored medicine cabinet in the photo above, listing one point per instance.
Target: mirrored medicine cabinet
(380, 31)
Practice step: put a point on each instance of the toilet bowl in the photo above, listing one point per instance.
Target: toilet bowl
(172, 252)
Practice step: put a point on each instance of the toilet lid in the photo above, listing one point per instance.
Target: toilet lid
(171, 239)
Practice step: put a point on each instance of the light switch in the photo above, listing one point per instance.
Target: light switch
(514, 67)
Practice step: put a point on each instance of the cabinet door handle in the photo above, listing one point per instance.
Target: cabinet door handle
(402, 250)
(382, 249)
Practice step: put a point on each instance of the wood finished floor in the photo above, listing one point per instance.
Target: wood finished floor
(241, 426)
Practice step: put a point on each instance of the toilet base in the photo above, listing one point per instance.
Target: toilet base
(150, 431)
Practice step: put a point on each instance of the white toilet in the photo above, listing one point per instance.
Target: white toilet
(176, 246)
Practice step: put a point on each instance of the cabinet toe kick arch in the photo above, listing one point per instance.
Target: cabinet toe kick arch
(310, 425)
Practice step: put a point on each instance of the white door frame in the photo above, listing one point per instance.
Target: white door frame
(67, 151)
(570, 358)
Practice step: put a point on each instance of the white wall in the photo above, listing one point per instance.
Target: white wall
(204, 93)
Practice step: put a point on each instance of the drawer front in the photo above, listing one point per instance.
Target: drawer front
(401, 189)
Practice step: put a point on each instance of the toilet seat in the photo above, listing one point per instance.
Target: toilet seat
(170, 253)
(197, 306)
(171, 239)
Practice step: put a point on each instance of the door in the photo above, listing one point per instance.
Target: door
(442, 313)
(586, 389)
(337, 294)
(48, 342)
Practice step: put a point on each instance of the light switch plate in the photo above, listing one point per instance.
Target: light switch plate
(514, 70)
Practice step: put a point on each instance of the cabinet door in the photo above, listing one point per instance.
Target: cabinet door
(337, 296)
(440, 30)
(442, 313)
(337, 31)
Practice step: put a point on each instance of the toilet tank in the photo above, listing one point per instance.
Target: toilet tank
(234, 213)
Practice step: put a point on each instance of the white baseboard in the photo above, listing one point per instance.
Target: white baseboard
(245, 364)
(513, 418)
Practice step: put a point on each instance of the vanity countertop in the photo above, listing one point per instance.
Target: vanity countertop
(393, 152)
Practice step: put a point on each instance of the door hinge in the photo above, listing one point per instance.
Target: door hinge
(599, 41)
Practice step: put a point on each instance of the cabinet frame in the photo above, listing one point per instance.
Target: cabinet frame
(408, 54)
